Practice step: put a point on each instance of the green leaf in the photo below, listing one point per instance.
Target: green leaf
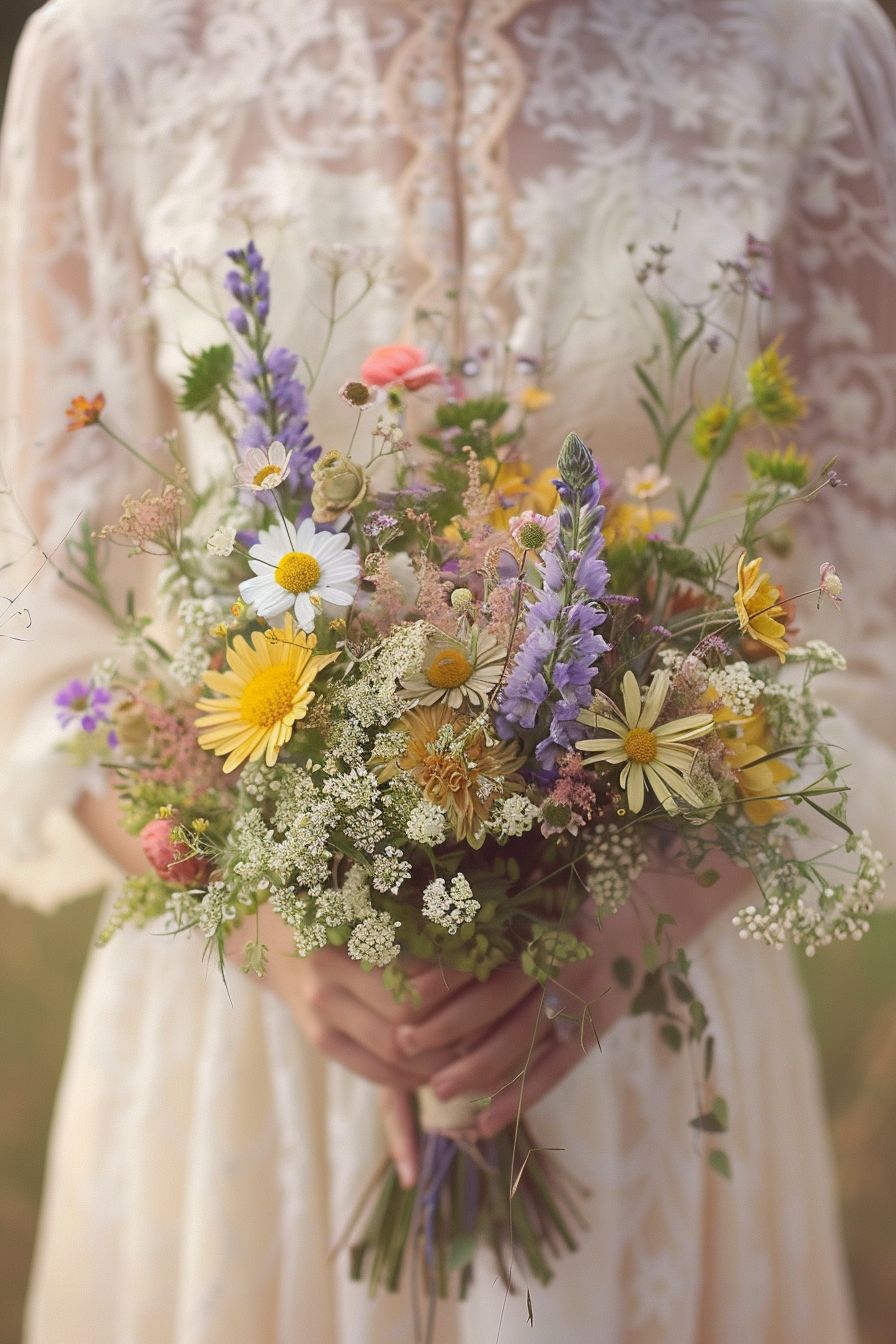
(709, 1123)
(681, 989)
(718, 1160)
(719, 1109)
(651, 955)
(461, 1250)
(661, 922)
(709, 1050)
(650, 385)
(681, 961)
(699, 1020)
(624, 972)
(708, 878)
(651, 997)
(530, 1314)
(671, 1035)
(208, 374)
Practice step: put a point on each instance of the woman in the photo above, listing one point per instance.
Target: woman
(206, 1153)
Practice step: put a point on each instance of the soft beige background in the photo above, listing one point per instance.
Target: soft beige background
(852, 990)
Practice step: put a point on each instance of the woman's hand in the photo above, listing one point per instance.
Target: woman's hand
(509, 1025)
(345, 1011)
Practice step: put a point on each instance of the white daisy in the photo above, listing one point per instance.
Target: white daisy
(300, 568)
(655, 756)
(263, 470)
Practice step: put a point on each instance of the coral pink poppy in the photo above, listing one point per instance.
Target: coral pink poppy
(404, 364)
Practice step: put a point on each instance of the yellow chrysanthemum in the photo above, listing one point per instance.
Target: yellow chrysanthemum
(747, 740)
(773, 389)
(757, 604)
(657, 757)
(710, 424)
(263, 695)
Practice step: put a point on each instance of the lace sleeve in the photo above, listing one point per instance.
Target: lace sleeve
(69, 278)
(836, 301)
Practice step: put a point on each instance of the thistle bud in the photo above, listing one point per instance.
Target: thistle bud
(575, 464)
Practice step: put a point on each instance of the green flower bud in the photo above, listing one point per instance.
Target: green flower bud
(575, 463)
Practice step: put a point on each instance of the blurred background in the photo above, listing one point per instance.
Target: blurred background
(852, 994)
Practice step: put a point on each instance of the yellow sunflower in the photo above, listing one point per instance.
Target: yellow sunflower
(264, 694)
(747, 740)
(757, 604)
(465, 783)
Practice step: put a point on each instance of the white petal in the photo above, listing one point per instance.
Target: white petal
(655, 699)
(256, 459)
(631, 695)
(341, 597)
(304, 613)
(683, 730)
(632, 779)
(305, 535)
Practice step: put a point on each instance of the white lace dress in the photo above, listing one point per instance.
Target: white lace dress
(203, 1158)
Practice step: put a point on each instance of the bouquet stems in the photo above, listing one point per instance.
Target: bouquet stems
(504, 1192)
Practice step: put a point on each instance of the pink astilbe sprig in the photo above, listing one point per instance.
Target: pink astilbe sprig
(151, 519)
(504, 605)
(480, 536)
(570, 803)
(177, 756)
(389, 598)
(433, 598)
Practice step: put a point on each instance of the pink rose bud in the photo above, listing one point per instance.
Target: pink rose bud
(171, 859)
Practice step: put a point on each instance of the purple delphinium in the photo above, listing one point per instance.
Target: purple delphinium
(85, 704)
(554, 670)
(274, 400)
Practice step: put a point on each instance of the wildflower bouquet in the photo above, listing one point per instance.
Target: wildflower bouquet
(430, 705)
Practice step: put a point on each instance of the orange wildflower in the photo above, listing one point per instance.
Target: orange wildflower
(83, 412)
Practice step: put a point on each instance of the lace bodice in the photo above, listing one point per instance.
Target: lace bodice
(501, 152)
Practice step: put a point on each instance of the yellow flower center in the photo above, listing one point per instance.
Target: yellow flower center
(640, 746)
(448, 669)
(261, 476)
(269, 696)
(297, 572)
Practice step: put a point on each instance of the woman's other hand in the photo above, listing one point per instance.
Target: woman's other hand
(345, 1011)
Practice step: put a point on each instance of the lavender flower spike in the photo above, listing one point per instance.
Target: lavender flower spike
(554, 670)
(274, 400)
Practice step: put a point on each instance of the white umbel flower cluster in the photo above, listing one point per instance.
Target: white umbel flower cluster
(615, 859)
(427, 825)
(513, 816)
(820, 656)
(195, 618)
(451, 908)
(736, 687)
(842, 911)
(373, 940)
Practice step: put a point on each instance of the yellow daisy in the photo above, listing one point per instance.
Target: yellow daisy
(264, 694)
(655, 756)
(756, 603)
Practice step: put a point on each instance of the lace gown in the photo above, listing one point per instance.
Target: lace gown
(203, 1158)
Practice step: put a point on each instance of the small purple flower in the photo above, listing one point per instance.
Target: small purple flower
(377, 523)
(84, 703)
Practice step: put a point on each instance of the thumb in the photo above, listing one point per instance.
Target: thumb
(399, 1122)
